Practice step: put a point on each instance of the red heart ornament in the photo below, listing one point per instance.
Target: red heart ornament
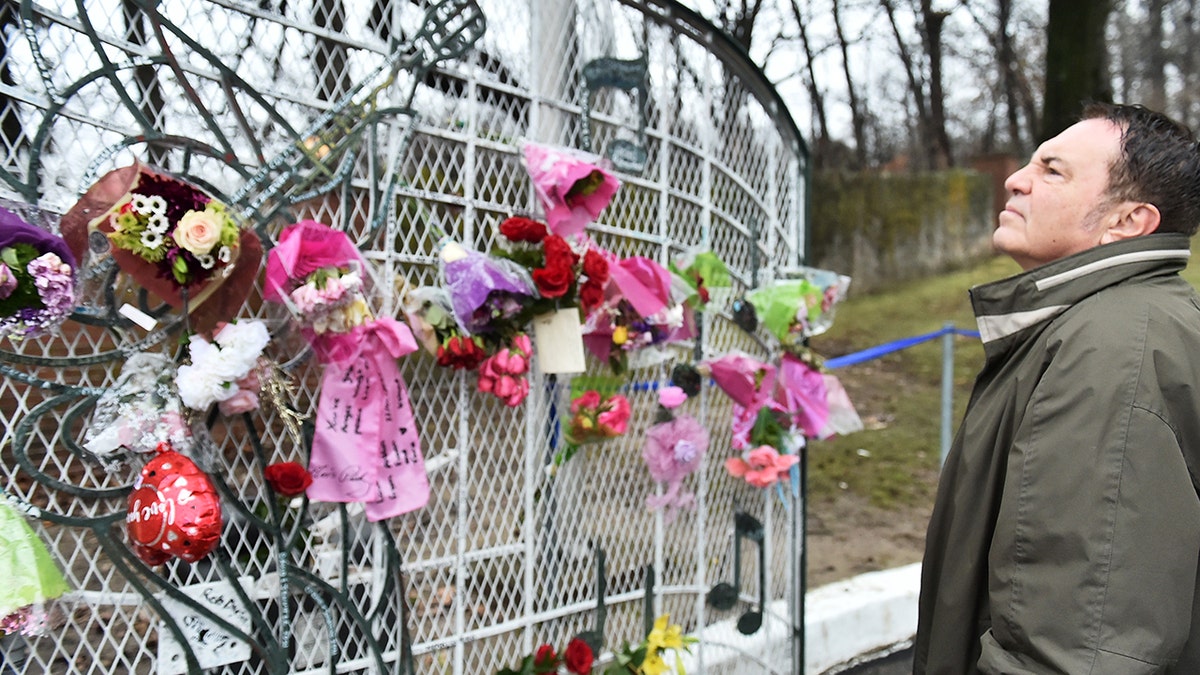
(173, 510)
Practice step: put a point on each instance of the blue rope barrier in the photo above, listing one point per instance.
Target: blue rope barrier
(893, 346)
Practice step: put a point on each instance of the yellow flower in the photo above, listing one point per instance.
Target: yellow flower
(620, 335)
(653, 664)
(665, 636)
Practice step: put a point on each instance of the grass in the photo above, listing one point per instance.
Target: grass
(894, 462)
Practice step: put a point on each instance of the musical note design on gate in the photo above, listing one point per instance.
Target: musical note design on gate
(625, 75)
(724, 596)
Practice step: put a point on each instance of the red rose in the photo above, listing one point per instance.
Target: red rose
(553, 281)
(523, 229)
(545, 656)
(590, 295)
(595, 267)
(703, 293)
(558, 252)
(579, 657)
(288, 478)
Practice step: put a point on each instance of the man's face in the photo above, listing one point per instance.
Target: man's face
(1057, 204)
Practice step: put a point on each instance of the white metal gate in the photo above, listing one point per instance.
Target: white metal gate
(503, 557)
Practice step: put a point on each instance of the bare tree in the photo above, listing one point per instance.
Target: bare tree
(857, 119)
(821, 155)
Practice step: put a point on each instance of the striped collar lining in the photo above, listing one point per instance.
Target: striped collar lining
(1123, 259)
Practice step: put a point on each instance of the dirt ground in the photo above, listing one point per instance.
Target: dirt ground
(846, 537)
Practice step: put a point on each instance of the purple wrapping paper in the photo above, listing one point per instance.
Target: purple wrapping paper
(470, 280)
(14, 230)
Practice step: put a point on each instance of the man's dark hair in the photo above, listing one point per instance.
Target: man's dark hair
(1159, 164)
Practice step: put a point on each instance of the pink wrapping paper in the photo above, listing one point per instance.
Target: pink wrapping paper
(555, 171)
(366, 448)
(801, 392)
(304, 248)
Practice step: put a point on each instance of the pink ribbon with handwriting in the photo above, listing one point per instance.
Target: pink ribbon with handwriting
(366, 448)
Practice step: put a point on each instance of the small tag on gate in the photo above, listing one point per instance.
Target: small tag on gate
(558, 340)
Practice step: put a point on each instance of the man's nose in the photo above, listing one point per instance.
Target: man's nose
(1018, 182)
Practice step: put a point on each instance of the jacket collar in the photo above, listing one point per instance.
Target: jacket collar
(1006, 307)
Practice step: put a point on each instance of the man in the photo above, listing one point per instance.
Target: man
(1066, 533)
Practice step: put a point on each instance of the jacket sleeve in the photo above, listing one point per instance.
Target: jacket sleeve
(1093, 561)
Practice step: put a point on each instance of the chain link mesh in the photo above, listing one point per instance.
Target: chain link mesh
(399, 122)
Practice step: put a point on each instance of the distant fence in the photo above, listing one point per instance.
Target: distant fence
(947, 333)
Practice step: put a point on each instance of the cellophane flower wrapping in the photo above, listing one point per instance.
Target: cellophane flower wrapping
(30, 577)
(644, 307)
(488, 294)
(702, 271)
(37, 279)
(796, 309)
(170, 236)
(573, 187)
(141, 409)
(365, 447)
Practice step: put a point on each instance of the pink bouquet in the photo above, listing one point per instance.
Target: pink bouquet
(503, 373)
(594, 419)
(762, 467)
(572, 186)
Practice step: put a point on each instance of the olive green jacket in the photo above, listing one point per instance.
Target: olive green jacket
(1066, 533)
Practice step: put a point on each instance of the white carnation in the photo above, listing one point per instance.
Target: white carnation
(200, 387)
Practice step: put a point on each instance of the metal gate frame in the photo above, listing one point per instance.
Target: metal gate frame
(429, 103)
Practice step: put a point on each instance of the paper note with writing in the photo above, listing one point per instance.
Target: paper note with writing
(365, 447)
(559, 342)
(212, 644)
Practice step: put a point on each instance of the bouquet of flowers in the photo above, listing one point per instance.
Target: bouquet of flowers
(37, 279)
(703, 272)
(594, 419)
(224, 370)
(572, 186)
(173, 238)
(646, 658)
(576, 659)
(796, 309)
(138, 412)
(30, 578)
(330, 300)
(489, 295)
(366, 448)
(562, 275)
(643, 308)
(503, 373)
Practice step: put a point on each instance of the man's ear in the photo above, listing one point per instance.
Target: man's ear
(1137, 219)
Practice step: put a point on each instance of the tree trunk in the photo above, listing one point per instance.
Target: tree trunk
(1154, 75)
(856, 117)
(820, 156)
(931, 28)
(915, 86)
(1076, 63)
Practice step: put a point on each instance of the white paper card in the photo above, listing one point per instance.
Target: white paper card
(137, 316)
(558, 339)
(213, 645)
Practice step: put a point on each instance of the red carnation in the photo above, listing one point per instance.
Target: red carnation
(523, 229)
(288, 478)
(579, 657)
(595, 267)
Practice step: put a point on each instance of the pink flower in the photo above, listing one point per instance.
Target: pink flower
(242, 402)
(616, 417)
(671, 397)
(586, 400)
(762, 466)
(571, 186)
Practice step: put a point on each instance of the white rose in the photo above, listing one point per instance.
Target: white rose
(198, 232)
